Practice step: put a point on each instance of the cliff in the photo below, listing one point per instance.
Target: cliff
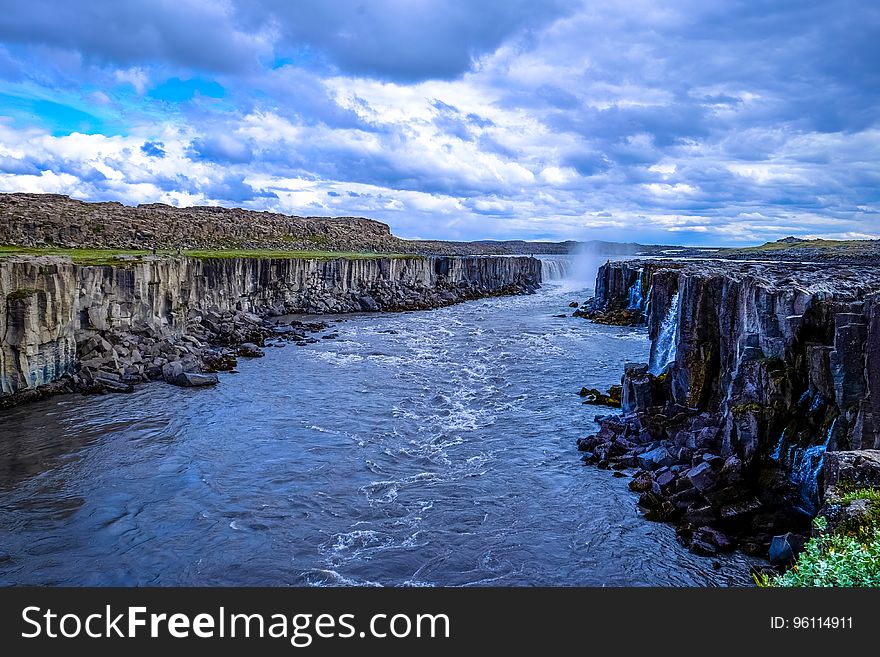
(756, 370)
(115, 325)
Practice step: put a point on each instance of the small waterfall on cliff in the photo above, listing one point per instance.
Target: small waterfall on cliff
(635, 293)
(663, 349)
(805, 466)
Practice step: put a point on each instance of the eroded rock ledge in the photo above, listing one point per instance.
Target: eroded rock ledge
(65, 326)
(755, 372)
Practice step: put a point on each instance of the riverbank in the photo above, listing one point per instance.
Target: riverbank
(755, 372)
(108, 326)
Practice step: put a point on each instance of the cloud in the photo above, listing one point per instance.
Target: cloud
(685, 121)
(153, 149)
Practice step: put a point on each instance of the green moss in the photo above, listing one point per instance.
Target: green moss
(123, 257)
(315, 255)
(23, 293)
(808, 244)
(871, 494)
(751, 407)
(94, 257)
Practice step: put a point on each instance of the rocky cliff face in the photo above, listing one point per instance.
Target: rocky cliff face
(109, 322)
(755, 371)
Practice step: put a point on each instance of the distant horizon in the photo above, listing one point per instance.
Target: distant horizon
(687, 123)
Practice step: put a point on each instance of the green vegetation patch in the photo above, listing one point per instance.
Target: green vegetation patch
(742, 409)
(312, 255)
(833, 560)
(93, 257)
(122, 257)
(23, 293)
(870, 494)
(847, 556)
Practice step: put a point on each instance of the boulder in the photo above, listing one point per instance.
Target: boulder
(656, 458)
(196, 380)
(706, 541)
(698, 516)
(250, 350)
(703, 476)
(785, 548)
(641, 482)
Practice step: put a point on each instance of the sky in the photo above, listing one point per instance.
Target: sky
(682, 122)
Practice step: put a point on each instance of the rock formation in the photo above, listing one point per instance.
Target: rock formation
(110, 326)
(756, 370)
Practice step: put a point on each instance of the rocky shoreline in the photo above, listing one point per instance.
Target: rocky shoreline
(756, 372)
(97, 329)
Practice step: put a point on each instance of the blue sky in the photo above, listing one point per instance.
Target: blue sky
(686, 122)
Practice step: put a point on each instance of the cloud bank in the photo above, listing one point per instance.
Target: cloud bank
(685, 121)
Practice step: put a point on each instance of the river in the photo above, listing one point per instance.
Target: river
(426, 448)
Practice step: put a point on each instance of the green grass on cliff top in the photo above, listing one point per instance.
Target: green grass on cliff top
(120, 256)
(818, 245)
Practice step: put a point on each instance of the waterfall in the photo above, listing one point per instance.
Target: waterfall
(557, 268)
(663, 348)
(635, 293)
(805, 467)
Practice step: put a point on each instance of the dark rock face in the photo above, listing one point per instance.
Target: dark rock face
(103, 328)
(756, 372)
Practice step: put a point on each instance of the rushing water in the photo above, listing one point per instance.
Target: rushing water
(430, 448)
(635, 293)
(664, 349)
(805, 466)
(556, 268)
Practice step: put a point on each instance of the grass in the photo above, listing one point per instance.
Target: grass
(319, 255)
(812, 245)
(848, 556)
(808, 244)
(98, 257)
(870, 494)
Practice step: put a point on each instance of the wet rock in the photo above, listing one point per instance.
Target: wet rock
(368, 304)
(707, 540)
(785, 548)
(740, 509)
(195, 379)
(641, 482)
(703, 477)
(170, 371)
(656, 458)
(664, 479)
(113, 385)
(703, 515)
(595, 396)
(250, 350)
(217, 361)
